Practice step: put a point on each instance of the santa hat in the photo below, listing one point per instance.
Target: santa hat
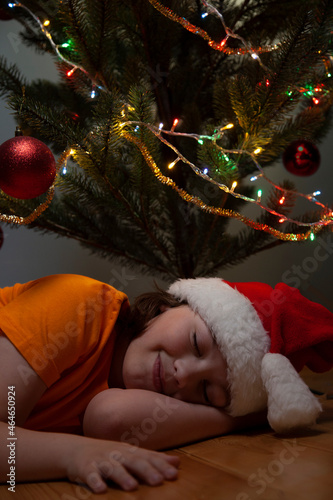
(266, 336)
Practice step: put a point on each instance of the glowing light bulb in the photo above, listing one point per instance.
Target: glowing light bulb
(46, 23)
(205, 14)
(259, 194)
(172, 164)
(282, 200)
(174, 125)
(312, 236)
(70, 72)
(257, 151)
(234, 184)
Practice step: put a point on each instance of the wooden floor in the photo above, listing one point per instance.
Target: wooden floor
(245, 466)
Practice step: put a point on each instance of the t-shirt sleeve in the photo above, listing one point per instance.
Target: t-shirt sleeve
(58, 321)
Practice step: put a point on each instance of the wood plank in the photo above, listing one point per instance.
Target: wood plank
(243, 466)
(299, 467)
(197, 480)
(263, 461)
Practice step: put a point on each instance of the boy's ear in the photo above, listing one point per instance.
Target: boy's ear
(164, 308)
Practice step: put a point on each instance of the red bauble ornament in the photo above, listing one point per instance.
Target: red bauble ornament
(301, 158)
(27, 167)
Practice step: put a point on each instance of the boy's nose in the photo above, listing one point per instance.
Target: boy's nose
(185, 372)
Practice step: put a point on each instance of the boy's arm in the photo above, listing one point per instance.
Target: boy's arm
(32, 455)
(155, 421)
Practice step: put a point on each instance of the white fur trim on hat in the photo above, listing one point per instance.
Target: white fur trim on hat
(291, 404)
(238, 332)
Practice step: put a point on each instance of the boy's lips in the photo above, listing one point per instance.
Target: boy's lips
(158, 375)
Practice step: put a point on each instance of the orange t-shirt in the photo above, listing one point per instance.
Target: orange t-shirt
(65, 327)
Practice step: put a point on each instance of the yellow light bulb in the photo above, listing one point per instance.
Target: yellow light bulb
(46, 23)
(257, 151)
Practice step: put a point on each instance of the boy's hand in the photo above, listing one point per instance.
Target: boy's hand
(98, 460)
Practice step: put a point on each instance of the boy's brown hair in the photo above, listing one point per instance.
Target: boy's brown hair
(147, 306)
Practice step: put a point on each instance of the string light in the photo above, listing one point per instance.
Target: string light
(259, 194)
(326, 219)
(70, 72)
(174, 125)
(173, 163)
(219, 46)
(217, 210)
(55, 47)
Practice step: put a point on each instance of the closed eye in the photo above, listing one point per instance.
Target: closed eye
(205, 392)
(195, 343)
(204, 383)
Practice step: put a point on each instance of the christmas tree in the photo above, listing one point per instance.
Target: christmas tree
(162, 113)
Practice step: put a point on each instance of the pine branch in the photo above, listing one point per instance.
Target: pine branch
(11, 80)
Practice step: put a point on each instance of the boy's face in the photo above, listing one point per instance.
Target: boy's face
(177, 356)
